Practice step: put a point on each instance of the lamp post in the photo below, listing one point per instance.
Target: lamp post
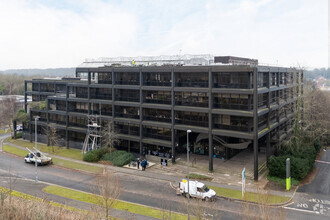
(188, 131)
(35, 142)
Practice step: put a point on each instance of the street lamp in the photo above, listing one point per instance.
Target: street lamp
(188, 131)
(36, 146)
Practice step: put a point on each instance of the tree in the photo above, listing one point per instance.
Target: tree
(109, 136)
(316, 117)
(8, 109)
(108, 187)
(52, 136)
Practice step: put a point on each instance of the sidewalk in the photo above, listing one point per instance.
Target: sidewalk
(175, 173)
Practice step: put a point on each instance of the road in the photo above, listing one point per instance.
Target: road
(315, 196)
(138, 189)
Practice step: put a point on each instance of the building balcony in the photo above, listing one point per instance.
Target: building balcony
(157, 83)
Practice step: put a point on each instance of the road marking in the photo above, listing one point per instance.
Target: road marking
(300, 210)
(172, 186)
(321, 161)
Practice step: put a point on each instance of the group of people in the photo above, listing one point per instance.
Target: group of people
(144, 164)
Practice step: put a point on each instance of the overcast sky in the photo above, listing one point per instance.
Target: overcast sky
(62, 33)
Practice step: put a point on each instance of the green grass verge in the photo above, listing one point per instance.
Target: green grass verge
(77, 166)
(121, 205)
(5, 131)
(60, 151)
(249, 196)
(33, 198)
(281, 181)
(199, 177)
(56, 161)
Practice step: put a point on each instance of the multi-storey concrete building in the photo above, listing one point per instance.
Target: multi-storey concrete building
(153, 101)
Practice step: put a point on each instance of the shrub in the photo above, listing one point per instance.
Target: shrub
(118, 158)
(277, 166)
(317, 145)
(19, 134)
(91, 156)
(101, 151)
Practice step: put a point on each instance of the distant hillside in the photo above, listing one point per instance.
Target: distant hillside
(313, 74)
(44, 72)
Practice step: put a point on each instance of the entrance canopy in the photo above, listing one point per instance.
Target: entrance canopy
(238, 146)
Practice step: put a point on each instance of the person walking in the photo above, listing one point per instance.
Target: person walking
(138, 163)
(143, 164)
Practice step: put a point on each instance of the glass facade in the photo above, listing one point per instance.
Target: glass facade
(157, 97)
(192, 79)
(156, 79)
(238, 80)
(197, 99)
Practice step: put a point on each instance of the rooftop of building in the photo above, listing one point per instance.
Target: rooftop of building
(168, 60)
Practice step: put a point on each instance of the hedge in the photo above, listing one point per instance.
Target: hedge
(95, 155)
(302, 161)
(118, 158)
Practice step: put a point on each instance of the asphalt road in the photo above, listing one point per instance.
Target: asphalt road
(142, 190)
(315, 196)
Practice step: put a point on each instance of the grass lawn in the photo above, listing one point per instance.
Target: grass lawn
(56, 161)
(60, 151)
(5, 131)
(282, 182)
(251, 197)
(199, 177)
(33, 198)
(121, 205)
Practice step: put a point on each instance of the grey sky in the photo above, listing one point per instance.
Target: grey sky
(58, 33)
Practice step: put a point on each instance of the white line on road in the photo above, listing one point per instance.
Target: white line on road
(321, 161)
(301, 210)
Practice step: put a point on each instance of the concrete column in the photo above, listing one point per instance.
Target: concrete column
(67, 118)
(172, 116)
(25, 96)
(113, 99)
(255, 122)
(141, 114)
(268, 148)
(210, 122)
(30, 127)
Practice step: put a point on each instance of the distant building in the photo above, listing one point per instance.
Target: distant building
(231, 104)
(19, 100)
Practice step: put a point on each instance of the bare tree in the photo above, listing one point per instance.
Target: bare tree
(109, 136)
(52, 136)
(8, 109)
(108, 187)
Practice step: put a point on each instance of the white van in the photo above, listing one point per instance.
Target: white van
(196, 189)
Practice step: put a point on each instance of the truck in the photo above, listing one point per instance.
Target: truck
(37, 157)
(196, 189)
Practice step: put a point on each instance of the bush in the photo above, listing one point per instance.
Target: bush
(118, 158)
(19, 134)
(277, 166)
(299, 167)
(101, 151)
(95, 155)
(317, 145)
(302, 160)
(91, 156)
